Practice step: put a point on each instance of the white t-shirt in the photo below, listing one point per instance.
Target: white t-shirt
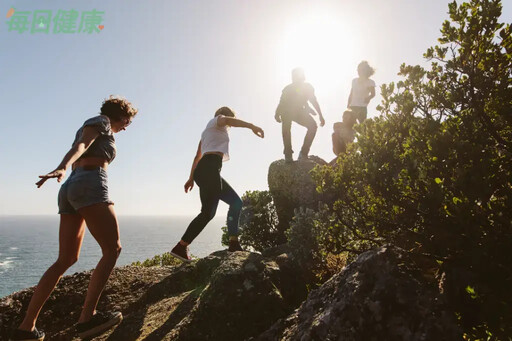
(215, 139)
(360, 89)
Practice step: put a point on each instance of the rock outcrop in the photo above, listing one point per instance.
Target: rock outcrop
(220, 297)
(291, 187)
(377, 297)
(248, 296)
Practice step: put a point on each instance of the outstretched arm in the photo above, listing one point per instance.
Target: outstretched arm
(89, 134)
(235, 122)
(190, 182)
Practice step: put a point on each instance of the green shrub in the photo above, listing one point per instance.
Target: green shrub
(258, 222)
(311, 245)
(433, 173)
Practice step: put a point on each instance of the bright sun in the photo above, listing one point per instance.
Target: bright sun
(324, 46)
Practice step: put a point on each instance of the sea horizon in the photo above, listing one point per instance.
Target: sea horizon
(29, 244)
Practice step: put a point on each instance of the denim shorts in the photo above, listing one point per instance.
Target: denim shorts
(83, 188)
(361, 113)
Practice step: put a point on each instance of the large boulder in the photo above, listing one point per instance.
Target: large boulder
(245, 296)
(377, 297)
(291, 187)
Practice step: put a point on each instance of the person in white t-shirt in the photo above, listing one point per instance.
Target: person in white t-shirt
(213, 149)
(363, 90)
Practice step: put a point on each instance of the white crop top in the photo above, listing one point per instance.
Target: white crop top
(360, 89)
(215, 139)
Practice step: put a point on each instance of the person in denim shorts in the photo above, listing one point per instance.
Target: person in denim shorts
(363, 90)
(83, 200)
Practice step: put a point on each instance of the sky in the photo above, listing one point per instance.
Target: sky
(177, 62)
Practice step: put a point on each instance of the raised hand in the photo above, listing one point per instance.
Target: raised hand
(58, 173)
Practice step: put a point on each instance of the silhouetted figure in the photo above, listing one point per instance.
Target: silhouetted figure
(363, 90)
(344, 133)
(294, 106)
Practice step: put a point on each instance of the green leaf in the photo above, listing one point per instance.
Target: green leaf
(471, 291)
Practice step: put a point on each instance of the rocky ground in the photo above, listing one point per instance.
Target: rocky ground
(244, 295)
(223, 296)
(126, 286)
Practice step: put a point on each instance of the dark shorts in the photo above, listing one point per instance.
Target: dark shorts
(83, 188)
(361, 113)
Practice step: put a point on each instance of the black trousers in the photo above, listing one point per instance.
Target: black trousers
(212, 188)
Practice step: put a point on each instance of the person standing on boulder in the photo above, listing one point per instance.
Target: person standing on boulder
(363, 90)
(294, 106)
(83, 200)
(212, 150)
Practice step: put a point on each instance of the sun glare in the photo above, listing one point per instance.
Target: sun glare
(324, 45)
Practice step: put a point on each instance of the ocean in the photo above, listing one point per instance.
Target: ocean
(29, 245)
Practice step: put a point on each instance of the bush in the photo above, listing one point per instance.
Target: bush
(258, 222)
(433, 174)
(311, 245)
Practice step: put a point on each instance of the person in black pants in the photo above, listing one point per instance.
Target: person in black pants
(213, 149)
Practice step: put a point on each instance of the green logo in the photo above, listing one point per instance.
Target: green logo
(65, 22)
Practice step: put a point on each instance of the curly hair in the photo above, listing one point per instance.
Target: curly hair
(225, 111)
(117, 107)
(365, 70)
